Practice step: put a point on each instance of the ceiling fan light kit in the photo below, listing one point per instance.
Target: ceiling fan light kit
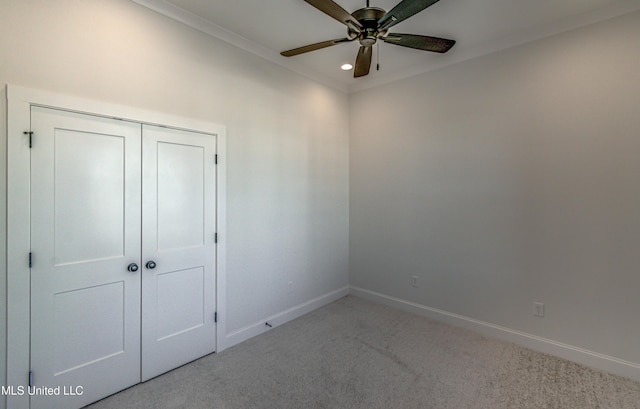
(370, 24)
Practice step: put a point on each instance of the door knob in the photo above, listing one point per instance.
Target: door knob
(133, 267)
(150, 264)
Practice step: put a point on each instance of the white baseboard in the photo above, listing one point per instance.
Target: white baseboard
(275, 320)
(561, 350)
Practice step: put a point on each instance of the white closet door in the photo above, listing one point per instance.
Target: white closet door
(85, 231)
(178, 251)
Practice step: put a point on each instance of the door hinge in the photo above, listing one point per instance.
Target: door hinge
(30, 259)
(30, 133)
(31, 379)
(216, 158)
(215, 238)
(215, 316)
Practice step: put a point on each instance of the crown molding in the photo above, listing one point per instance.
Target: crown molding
(460, 54)
(176, 13)
(515, 39)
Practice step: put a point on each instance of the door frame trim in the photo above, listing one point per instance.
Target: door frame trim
(19, 103)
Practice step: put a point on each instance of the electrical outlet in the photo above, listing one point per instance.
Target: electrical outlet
(538, 309)
(414, 281)
(290, 287)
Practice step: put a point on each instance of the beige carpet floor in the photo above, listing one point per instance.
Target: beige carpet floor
(357, 354)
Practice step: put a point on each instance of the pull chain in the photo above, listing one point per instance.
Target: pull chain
(377, 56)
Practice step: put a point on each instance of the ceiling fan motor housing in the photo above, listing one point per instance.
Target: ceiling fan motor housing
(368, 17)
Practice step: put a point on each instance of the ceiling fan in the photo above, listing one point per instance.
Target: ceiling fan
(370, 24)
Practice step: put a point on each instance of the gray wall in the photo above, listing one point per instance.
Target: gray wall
(3, 243)
(499, 181)
(287, 136)
(509, 179)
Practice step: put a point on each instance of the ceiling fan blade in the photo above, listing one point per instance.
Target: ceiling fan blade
(435, 44)
(402, 11)
(332, 9)
(363, 62)
(313, 47)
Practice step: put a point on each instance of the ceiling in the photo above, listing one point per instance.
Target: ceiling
(480, 27)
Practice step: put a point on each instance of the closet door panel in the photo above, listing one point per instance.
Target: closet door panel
(187, 285)
(94, 165)
(178, 296)
(180, 198)
(85, 231)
